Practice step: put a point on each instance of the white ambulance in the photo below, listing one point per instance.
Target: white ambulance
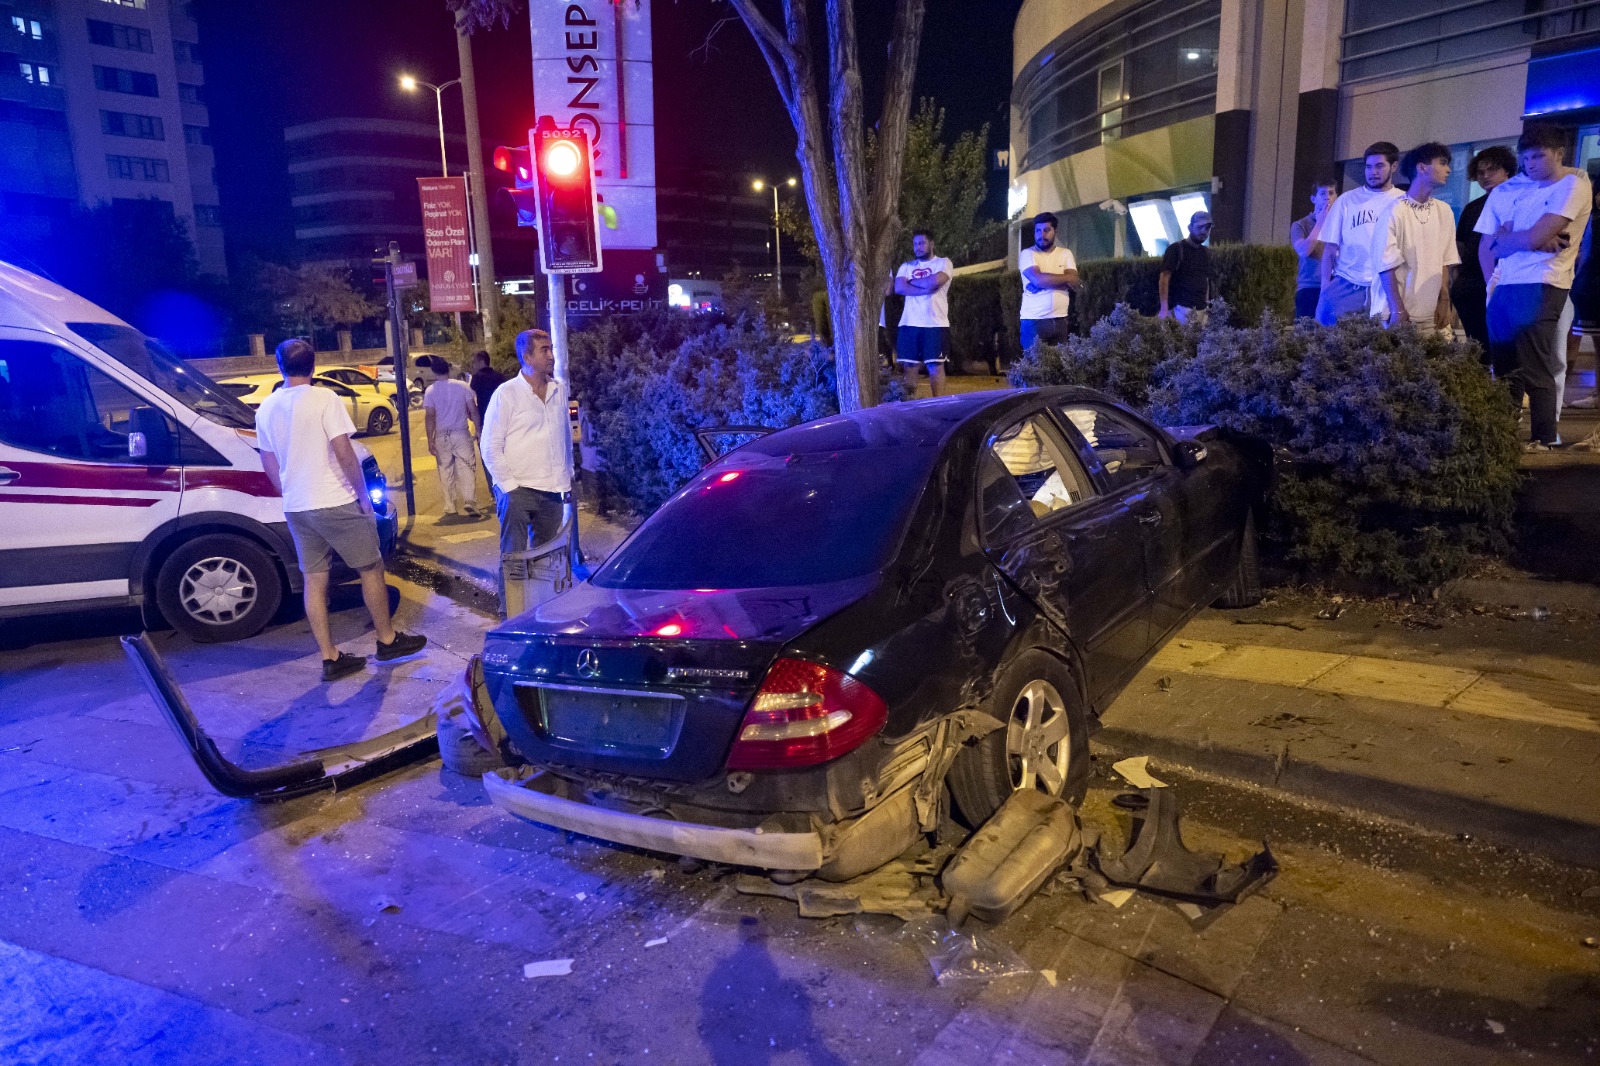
(127, 478)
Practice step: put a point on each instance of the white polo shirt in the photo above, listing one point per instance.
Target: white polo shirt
(527, 442)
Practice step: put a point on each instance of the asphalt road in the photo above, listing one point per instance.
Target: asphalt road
(145, 919)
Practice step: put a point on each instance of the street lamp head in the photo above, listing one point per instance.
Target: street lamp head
(408, 83)
(758, 185)
(791, 183)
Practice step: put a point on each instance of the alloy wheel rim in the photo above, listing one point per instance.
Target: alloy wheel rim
(1038, 742)
(217, 591)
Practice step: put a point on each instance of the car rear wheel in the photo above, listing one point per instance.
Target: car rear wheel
(1043, 745)
(380, 421)
(219, 588)
(1245, 589)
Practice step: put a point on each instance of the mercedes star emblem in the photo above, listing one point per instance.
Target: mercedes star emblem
(589, 662)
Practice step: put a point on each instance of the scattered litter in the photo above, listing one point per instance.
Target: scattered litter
(1328, 614)
(548, 968)
(1591, 942)
(962, 956)
(1592, 892)
(1288, 623)
(1164, 683)
(1495, 1027)
(1117, 897)
(1049, 976)
(1414, 622)
(1136, 771)
(581, 896)
(1185, 644)
(655, 873)
(1191, 911)
(1534, 614)
(1288, 719)
(385, 905)
(657, 942)
(1157, 861)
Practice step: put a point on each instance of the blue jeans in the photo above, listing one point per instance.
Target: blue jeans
(1305, 302)
(1523, 321)
(1341, 297)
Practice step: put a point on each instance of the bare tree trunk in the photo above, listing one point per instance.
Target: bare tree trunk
(853, 213)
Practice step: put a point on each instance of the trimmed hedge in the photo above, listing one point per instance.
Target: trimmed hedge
(648, 382)
(1404, 451)
(1253, 279)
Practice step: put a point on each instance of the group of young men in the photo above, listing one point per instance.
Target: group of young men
(1504, 273)
(305, 432)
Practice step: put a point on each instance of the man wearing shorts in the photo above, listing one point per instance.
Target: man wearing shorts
(925, 322)
(304, 432)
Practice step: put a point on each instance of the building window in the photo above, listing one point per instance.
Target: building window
(116, 35)
(122, 124)
(132, 82)
(197, 134)
(36, 73)
(207, 215)
(190, 94)
(1381, 38)
(137, 4)
(137, 168)
(1150, 67)
(28, 28)
(186, 51)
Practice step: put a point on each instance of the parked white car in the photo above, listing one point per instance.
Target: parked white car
(371, 409)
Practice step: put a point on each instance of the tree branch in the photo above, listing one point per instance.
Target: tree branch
(893, 123)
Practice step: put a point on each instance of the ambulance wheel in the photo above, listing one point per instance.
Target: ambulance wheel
(219, 588)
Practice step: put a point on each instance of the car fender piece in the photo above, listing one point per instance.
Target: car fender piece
(325, 768)
(535, 797)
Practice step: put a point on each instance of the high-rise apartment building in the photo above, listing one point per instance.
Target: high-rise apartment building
(104, 100)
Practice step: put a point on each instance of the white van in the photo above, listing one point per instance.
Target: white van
(128, 478)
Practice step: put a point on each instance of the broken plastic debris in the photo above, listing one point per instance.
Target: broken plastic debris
(1190, 911)
(1049, 976)
(581, 896)
(1495, 1027)
(1157, 861)
(1328, 614)
(657, 942)
(1137, 773)
(1117, 896)
(1591, 942)
(962, 956)
(385, 905)
(548, 968)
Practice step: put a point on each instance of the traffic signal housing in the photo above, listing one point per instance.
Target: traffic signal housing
(524, 194)
(569, 240)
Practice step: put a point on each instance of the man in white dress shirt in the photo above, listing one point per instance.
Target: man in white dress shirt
(527, 447)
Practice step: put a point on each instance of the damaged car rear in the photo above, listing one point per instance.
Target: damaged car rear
(788, 662)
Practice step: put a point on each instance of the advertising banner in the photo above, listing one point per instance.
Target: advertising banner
(444, 234)
(632, 283)
(592, 70)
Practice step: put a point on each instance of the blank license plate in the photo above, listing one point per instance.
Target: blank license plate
(622, 723)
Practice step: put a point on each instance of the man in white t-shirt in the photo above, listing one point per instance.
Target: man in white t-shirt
(1348, 268)
(1049, 279)
(449, 412)
(304, 432)
(1531, 227)
(924, 280)
(1414, 246)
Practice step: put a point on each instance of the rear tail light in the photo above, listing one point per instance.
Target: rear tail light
(804, 714)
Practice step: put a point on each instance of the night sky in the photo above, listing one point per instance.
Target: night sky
(276, 64)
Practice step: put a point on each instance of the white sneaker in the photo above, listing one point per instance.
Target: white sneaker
(1591, 443)
(1587, 403)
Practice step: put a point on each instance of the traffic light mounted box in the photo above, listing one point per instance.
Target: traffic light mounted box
(524, 194)
(569, 239)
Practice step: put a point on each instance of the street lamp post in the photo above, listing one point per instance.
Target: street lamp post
(777, 234)
(409, 84)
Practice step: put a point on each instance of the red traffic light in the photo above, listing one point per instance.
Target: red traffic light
(515, 161)
(561, 159)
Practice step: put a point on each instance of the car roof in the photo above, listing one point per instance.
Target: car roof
(32, 302)
(914, 423)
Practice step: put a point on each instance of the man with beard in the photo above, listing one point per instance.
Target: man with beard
(1348, 269)
(1049, 279)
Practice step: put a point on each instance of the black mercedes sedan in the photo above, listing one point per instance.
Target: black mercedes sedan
(786, 664)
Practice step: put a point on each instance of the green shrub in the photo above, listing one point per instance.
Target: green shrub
(1404, 452)
(647, 383)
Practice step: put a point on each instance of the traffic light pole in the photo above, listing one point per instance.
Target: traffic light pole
(555, 294)
(402, 375)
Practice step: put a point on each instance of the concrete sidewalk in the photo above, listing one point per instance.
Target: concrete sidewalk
(1458, 721)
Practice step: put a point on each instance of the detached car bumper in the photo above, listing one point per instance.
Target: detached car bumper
(544, 798)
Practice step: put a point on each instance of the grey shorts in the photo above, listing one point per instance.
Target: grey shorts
(346, 530)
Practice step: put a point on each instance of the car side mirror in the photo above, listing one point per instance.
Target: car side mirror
(149, 436)
(1189, 454)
